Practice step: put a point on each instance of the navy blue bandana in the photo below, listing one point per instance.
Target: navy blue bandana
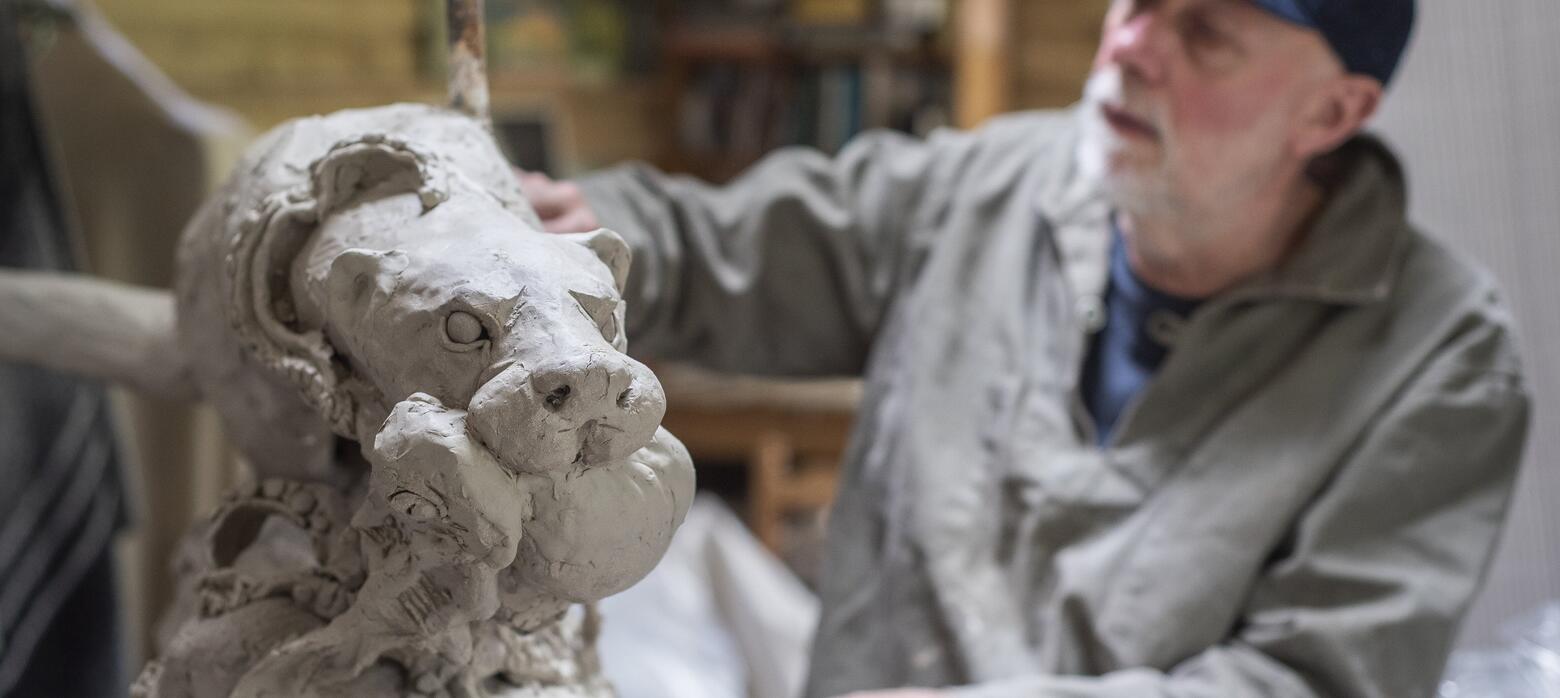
(1369, 35)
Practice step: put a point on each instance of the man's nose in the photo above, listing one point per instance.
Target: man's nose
(1134, 42)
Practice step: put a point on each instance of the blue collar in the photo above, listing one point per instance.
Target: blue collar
(1136, 295)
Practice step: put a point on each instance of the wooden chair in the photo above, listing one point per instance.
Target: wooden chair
(790, 435)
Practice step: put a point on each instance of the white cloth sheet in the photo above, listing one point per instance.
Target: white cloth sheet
(720, 617)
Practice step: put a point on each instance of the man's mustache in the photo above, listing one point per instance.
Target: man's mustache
(1111, 88)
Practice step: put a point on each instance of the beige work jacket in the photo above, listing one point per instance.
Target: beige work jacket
(1302, 502)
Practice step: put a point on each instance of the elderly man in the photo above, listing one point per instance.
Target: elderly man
(1164, 396)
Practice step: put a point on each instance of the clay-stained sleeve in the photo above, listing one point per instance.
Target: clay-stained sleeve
(100, 329)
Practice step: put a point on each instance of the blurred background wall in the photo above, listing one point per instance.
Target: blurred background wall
(707, 86)
(1473, 115)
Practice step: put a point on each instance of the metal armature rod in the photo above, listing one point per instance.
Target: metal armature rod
(468, 72)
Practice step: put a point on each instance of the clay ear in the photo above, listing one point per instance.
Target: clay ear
(260, 306)
(373, 167)
(610, 249)
(258, 289)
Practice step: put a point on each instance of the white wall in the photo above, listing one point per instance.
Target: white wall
(1475, 113)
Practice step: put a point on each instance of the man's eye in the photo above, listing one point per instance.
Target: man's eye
(1209, 45)
(462, 327)
(1136, 6)
(1201, 32)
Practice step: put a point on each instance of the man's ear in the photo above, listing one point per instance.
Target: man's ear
(610, 249)
(1337, 111)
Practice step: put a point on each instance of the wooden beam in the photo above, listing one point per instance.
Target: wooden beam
(983, 60)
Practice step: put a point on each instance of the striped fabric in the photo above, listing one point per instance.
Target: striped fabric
(61, 498)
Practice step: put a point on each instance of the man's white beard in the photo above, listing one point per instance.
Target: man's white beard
(1128, 187)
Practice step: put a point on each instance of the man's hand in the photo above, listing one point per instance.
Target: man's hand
(560, 205)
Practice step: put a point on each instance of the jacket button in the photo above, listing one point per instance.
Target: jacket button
(1091, 313)
(1165, 327)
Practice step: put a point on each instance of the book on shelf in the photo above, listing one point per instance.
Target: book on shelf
(823, 73)
(833, 13)
(732, 109)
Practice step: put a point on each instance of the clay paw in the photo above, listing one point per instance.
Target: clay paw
(439, 482)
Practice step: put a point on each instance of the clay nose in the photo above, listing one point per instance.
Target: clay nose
(593, 388)
(571, 412)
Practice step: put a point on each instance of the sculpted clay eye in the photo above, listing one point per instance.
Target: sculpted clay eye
(463, 328)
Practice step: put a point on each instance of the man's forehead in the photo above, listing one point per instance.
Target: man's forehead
(1245, 9)
(1245, 17)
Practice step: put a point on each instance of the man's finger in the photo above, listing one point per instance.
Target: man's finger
(555, 199)
(577, 220)
(532, 180)
(542, 192)
(560, 205)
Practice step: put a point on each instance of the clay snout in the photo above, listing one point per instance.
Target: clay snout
(593, 408)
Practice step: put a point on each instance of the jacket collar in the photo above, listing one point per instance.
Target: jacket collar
(1349, 255)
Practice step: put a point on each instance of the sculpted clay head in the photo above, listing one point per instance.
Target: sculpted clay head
(371, 307)
(451, 450)
(447, 302)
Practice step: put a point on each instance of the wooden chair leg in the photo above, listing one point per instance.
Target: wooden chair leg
(769, 469)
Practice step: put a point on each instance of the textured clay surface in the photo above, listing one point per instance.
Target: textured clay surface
(454, 457)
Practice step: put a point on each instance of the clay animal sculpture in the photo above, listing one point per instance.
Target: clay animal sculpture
(453, 455)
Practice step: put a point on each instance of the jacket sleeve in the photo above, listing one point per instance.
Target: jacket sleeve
(787, 270)
(1365, 600)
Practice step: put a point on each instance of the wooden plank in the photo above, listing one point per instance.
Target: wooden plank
(1053, 60)
(982, 61)
(730, 435)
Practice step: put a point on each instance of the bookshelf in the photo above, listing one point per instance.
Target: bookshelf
(741, 78)
(707, 87)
